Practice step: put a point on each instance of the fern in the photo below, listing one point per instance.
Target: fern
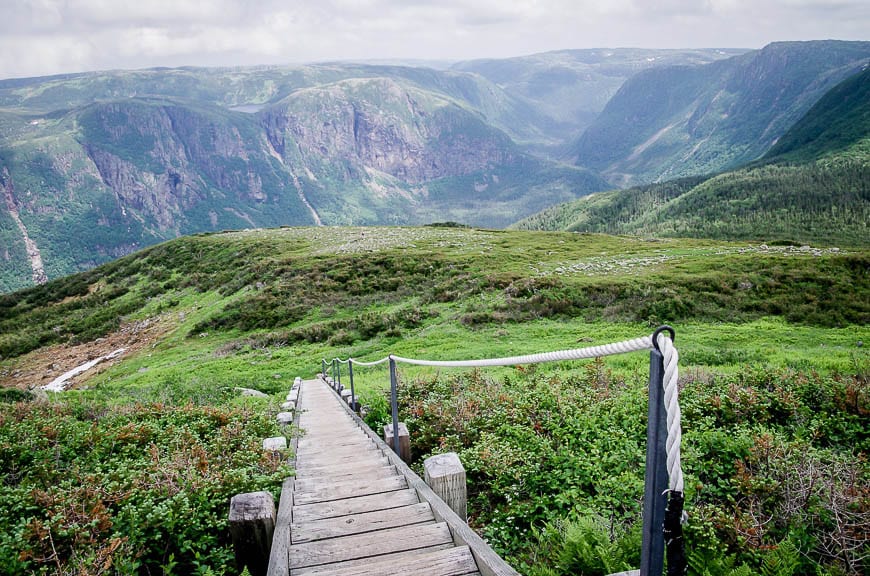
(782, 561)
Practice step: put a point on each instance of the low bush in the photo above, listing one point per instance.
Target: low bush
(142, 488)
(773, 459)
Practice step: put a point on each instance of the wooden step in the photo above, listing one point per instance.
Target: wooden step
(336, 469)
(359, 523)
(357, 505)
(357, 474)
(349, 489)
(368, 545)
(435, 561)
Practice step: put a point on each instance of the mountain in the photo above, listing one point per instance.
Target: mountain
(689, 120)
(94, 166)
(812, 186)
(570, 88)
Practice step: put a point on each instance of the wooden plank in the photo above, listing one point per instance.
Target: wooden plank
(367, 545)
(339, 450)
(358, 474)
(348, 506)
(341, 490)
(359, 523)
(333, 469)
(279, 557)
(327, 459)
(386, 564)
(357, 439)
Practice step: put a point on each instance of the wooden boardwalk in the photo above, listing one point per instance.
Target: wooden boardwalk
(355, 509)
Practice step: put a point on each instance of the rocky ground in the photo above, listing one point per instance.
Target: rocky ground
(42, 366)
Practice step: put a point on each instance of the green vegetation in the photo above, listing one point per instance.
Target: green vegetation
(812, 187)
(555, 465)
(682, 121)
(138, 488)
(774, 381)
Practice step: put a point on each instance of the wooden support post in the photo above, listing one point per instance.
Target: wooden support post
(445, 475)
(284, 418)
(404, 440)
(288, 406)
(252, 523)
(345, 396)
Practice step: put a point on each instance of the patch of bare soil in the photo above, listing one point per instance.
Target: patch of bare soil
(40, 367)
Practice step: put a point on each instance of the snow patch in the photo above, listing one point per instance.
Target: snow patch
(59, 383)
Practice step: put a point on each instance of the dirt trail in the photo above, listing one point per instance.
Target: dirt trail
(40, 367)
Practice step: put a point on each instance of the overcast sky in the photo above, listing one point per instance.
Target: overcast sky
(39, 37)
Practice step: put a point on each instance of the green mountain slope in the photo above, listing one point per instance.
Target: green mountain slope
(138, 459)
(690, 120)
(94, 166)
(813, 186)
(571, 87)
(840, 120)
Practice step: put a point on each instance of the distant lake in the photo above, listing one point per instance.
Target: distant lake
(248, 108)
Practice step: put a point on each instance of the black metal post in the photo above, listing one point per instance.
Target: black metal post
(333, 372)
(656, 475)
(323, 367)
(394, 401)
(352, 393)
(338, 381)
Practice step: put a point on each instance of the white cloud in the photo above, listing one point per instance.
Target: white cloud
(50, 36)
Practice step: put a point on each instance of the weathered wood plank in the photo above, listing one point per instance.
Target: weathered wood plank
(279, 559)
(337, 469)
(367, 545)
(360, 523)
(358, 475)
(435, 561)
(357, 505)
(324, 459)
(356, 439)
(341, 490)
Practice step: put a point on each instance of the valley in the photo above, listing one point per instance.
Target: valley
(98, 165)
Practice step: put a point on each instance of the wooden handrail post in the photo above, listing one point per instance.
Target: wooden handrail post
(353, 404)
(445, 475)
(252, 524)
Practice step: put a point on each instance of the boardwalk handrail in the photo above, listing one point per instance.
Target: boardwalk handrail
(663, 514)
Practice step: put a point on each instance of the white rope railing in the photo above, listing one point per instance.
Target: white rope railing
(671, 379)
(644, 343)
(375, 363)
(669, 395)
(672, 408)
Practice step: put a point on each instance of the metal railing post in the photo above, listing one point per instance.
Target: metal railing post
(394, 402)
(333, 372)
(656, 474)
(338, 371)
(323, 367)
(352, 392)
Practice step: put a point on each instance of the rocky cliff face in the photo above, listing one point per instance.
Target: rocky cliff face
(405, 133)
(113, 175)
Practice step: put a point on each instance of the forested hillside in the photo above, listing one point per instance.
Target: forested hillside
(813, 186)
(693, 120)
